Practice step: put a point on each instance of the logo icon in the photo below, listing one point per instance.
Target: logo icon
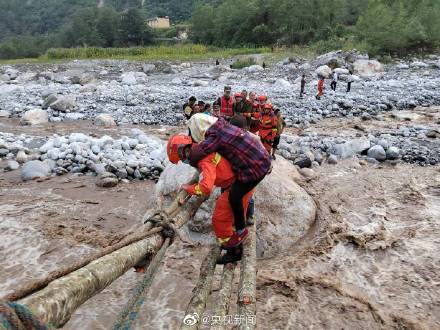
(191, 319)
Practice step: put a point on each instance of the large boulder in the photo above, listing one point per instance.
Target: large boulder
(324, 71)
(334, 59)
(341, 71)
(64, 104)
(35, 169)
(105, 120)
(367, 68)
(284, 211)
(34, 117)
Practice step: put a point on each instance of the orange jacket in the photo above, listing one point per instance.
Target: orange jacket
(321, 85)
(215, 171)
(268, 126)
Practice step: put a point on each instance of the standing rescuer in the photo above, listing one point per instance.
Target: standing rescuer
(215, 171)
(247, 156)
(226, 103)
(268, 127)
(257, 114)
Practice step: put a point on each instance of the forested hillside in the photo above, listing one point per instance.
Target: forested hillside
(377, 25)
(34, 17)
(28, 28)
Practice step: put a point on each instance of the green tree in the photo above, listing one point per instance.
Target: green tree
(107, 25)
(400, 26)
(83, 29)
(201, 31)
(134, 29)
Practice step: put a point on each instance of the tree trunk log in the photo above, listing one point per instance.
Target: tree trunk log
(247, 287)
(57, 302)
(197, 304)
(221, 309)
(41, 283)
(125, 318)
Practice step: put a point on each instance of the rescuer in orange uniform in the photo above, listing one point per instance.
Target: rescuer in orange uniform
(268, 127)
(215, 171)
(257, 114)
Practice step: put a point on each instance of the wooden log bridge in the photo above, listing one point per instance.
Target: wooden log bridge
(245, 318)
(53, 299)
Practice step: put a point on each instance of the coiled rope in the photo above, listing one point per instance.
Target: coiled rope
(14, 316)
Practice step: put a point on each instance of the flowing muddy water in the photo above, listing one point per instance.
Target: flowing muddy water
(370, 261)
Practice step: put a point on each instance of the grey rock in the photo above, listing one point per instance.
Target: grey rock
(34, 117)
(324, 71)
(49, 100)
(105, 120)
(5, 114)
(351, 148)
(121, 174)
(64, 104)
(12, 165)
(303, 161)
(432, 134)
(107, 180)
(35, 169)
(4, 152)
(384, 143)
(393, 153)
(148, 68)
(377, 152)
(21, 157)
(332, 159)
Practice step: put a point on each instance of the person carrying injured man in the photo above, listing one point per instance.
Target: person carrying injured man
(215, 171)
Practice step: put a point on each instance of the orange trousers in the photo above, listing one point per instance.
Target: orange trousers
(223, 217)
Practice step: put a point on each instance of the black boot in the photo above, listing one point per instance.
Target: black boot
(231, 256)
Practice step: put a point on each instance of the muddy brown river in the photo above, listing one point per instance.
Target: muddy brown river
(370, 261)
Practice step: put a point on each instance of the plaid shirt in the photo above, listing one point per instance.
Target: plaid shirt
(248, 158)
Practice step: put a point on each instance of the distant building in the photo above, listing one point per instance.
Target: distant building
(159, 22)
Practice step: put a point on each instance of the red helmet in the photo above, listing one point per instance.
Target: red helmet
(262, 98)
(238, 95)
(175, 147)
(268, 106)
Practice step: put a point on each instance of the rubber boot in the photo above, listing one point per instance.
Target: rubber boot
(231, 256)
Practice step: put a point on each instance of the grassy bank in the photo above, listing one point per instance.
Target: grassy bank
(171, 53)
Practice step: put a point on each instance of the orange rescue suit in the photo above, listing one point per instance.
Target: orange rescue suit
(216, 171)
(268, 130)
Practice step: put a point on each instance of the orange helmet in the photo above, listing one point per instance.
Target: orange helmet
(176, 145)
(268, 106)
(262, 98)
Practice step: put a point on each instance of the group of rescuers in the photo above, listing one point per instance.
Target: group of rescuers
(232, 145)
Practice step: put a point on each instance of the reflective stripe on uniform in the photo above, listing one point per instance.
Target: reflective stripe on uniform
(217, 159)
(198, 190)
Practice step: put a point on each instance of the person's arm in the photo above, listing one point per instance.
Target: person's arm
(208, 173)
(203, 149)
